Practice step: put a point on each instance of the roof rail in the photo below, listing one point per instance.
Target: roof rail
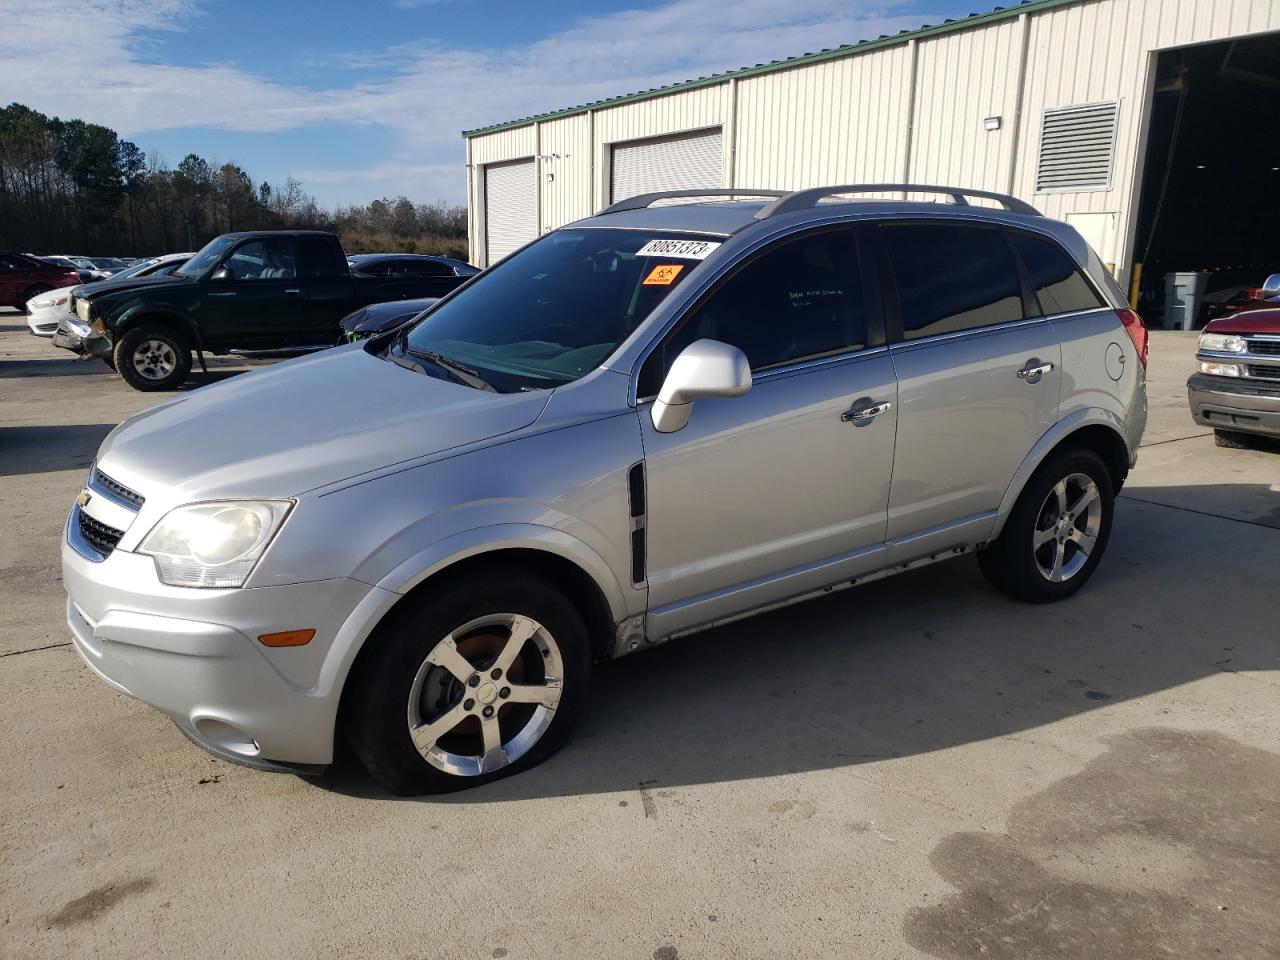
(643, 200)
(805, 199)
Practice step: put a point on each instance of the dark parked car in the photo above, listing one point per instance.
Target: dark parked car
(378, 318)
(86, 275)
(1237, 391)
(244, 293)
(440, 274)
(23, 277)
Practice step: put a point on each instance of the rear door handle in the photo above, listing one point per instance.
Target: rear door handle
(858, 413)
(1032, 373)
(293, 290)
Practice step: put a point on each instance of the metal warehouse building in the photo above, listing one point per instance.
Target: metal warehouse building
(1151, 125)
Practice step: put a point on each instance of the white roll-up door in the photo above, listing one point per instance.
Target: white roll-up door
(682, 162)
(510, 207)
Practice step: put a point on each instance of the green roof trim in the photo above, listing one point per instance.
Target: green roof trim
(835, 53)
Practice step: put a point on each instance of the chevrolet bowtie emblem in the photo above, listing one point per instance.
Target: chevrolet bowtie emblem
(84, 498)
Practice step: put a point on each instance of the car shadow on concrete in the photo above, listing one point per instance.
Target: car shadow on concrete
(46, 448)
(914, 664)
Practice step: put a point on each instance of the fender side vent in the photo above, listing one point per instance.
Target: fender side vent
(636, 492)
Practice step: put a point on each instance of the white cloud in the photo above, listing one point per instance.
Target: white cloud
(53, 51)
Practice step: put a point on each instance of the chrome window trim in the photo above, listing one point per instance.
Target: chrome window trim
(800, 366)
(961, 334)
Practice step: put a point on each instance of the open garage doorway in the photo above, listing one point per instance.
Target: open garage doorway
(1210, 198)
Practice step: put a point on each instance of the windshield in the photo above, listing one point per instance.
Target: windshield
(554, 311)
(131, 270)
(203, 261)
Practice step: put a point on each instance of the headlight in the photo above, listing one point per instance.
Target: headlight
(83, 310)
(213, 544)
(1222, 342)
(1215, 369)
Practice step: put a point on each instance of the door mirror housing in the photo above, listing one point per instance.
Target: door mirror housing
(704, 369)
(1271, 287)
(222, 273)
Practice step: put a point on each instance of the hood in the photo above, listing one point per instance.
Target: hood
(125, 284)
(1264, 320)
(289, 428)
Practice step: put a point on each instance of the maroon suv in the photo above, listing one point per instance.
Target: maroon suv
(23, 277)
(1237, 391)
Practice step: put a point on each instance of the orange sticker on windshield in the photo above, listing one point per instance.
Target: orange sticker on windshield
(663, 275)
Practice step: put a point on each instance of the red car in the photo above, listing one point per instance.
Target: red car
(1237, 391)
(23, 277)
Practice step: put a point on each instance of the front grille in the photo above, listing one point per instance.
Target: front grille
(117, 489)
(101, 537)
(1269, 348)
(1263, 372)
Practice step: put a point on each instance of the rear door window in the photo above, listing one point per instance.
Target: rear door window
(952, 277)
(1059, 285)
(318, 258)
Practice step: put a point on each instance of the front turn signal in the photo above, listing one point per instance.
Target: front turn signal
(287, 638)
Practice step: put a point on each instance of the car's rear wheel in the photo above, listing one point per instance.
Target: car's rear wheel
(152, 358)
(1232, 439)
(1057, 531)
(476, 681)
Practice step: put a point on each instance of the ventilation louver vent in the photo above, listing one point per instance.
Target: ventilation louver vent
(1077, 147)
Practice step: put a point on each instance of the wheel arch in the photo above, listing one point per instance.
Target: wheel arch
(1098, 431)
(175, 320)
(583, 590)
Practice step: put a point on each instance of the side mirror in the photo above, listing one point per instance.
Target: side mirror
(705, 368)
(222, 273)
(1271, 287)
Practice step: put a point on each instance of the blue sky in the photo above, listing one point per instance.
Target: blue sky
(366, 99)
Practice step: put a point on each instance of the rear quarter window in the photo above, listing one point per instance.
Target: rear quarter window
(1059, 285)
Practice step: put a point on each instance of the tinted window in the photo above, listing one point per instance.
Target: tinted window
(373, 268)
(270, 258)
(1059, 285)
(798, 301)
(951, 277)
(422, 268)
(318, 258)
(10, 263)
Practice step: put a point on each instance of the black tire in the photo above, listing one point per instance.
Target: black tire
(109, 360)
(172, 358)
(33, 291)
(1014, 565)
(1232, 439)
(377, 700)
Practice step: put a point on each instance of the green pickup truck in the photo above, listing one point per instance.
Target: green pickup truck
(244, 293)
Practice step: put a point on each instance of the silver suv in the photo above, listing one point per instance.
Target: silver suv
(660, 418)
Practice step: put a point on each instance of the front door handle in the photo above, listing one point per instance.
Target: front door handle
(858, 413)
(293, 290)
(1034, 370)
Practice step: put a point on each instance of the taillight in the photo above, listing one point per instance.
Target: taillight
(1137, 331)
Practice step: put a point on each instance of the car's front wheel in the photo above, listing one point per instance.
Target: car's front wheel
(152, 358)
(477, 680)
(1057, 531)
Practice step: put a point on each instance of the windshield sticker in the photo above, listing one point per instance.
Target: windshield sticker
(663, 275)
(685, 249)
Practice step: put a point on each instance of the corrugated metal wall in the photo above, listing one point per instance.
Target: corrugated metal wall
(847, 120)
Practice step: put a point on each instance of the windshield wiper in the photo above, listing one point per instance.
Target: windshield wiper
(461, 372)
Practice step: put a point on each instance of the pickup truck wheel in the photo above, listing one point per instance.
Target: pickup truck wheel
(1057, 531)
(469, 684)
(1232, 439)
(152, 358)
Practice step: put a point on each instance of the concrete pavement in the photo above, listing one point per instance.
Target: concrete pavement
(918, 767)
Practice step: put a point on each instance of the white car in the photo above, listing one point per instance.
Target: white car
(44, 311)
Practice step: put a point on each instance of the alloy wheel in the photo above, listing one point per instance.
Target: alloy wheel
(155, 359)
(485, 694)
(1067, 527)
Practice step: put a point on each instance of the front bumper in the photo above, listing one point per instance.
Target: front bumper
(75, 335)
(193, 655)
(1225, 403)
